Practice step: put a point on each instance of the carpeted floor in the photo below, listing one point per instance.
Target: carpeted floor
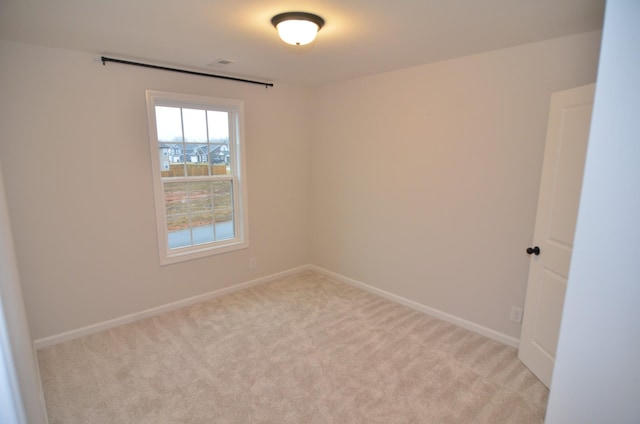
(303, 349)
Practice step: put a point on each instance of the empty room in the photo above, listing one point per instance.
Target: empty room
(392, 219)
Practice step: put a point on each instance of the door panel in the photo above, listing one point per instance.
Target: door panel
(553, 287)
(571, 156)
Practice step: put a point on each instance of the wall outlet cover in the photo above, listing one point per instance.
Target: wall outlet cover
(516, 314)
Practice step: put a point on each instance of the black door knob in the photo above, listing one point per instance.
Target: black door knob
(534, 250)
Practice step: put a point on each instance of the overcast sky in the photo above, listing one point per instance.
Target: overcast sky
(195, 124)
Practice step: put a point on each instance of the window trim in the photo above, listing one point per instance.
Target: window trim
(238, 176)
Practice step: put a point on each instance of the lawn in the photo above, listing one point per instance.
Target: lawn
(198, 203)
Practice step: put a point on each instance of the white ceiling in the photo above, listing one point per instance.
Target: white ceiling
(360, 37)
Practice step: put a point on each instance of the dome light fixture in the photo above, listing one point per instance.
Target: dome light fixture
(297, 28)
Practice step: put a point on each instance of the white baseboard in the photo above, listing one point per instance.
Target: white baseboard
(105, 325)
(476, 328)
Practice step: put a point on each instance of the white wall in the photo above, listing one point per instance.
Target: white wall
(21, 394)
(425, 180)
(597, 374)
(75, 154)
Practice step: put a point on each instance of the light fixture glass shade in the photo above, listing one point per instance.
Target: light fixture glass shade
(297, 32)
(297, 28)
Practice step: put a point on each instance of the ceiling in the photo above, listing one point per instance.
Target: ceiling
(360, 37)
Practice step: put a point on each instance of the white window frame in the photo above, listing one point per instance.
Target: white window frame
(235, 108)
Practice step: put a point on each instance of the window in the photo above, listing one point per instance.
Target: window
(198, 169)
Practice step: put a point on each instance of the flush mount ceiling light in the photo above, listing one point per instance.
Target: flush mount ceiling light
(297, 28)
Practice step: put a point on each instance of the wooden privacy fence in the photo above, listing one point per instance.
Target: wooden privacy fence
(194, 170)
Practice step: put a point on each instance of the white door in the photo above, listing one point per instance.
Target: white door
(560, 184)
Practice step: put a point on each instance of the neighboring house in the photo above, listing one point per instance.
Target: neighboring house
(164, 157)
(171, 151)
(218, 153)
(197, 153)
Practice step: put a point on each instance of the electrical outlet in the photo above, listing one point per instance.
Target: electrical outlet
(516, 314)
(252, 263)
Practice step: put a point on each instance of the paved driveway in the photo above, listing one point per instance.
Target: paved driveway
(205, 234)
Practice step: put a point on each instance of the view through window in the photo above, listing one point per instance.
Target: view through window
(197, 174)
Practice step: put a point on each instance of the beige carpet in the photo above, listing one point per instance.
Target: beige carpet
(303, 349)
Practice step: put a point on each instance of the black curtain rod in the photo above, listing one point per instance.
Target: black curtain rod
(184, 71)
